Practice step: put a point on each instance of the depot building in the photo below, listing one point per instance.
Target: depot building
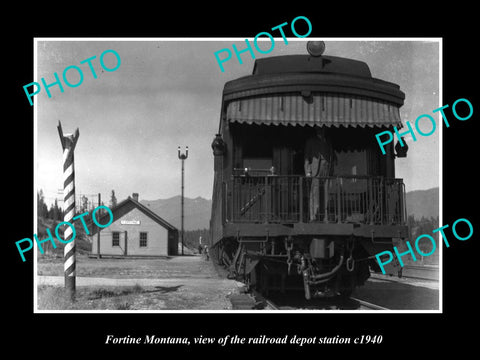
(135, 231)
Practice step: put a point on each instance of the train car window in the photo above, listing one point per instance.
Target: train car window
(356, 153)
(253, 149)
(351, 163)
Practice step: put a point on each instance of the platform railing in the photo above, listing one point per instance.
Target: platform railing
(291, 199)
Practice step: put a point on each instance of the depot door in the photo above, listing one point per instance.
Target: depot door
(126, 244)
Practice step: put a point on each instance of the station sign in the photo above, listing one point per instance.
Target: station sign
(130, 222)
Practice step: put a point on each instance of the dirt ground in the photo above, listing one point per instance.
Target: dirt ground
(173, 283)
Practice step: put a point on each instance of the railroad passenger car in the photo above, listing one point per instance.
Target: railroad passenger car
(276, 225)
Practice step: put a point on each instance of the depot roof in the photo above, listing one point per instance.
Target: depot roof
(125, 207)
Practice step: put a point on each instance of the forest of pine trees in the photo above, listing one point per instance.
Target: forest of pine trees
(417, 227)
(191, 238)
(55, 212)
(50, 217)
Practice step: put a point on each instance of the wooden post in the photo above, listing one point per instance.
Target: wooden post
(126, 244)
(182, 157)
(98, 232)
(182, 217)
(68, 145)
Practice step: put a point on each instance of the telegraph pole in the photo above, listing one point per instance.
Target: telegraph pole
(98, 233)
(182, 157)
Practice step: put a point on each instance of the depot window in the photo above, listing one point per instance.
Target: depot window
(143, 239)
(115, 238)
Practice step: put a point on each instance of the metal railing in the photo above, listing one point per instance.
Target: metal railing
(290, 199)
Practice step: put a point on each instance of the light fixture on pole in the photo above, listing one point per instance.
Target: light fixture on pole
(182, 157)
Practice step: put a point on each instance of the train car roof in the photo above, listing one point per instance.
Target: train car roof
(328, 74)
(309, 64)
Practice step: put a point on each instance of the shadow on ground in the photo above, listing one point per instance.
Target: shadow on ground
(105, 293)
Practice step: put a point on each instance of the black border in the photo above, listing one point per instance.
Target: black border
(408, 334)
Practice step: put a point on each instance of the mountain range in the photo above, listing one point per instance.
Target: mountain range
(423, 203)
(196, 211)
(420, 203)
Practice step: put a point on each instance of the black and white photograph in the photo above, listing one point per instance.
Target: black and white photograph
(269, 184)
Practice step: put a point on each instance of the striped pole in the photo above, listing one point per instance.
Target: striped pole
(68, 144)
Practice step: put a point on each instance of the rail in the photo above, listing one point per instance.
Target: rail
(291, 199)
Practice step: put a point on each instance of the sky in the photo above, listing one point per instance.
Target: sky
(167, 93)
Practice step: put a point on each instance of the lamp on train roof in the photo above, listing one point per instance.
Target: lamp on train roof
(316, 48)
(218, 145)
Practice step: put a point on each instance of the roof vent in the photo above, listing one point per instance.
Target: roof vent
(316, 48)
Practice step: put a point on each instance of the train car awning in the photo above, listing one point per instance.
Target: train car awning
(310, 109)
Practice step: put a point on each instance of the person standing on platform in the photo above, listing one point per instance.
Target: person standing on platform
(319, 156)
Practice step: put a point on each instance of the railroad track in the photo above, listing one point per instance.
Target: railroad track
(363, 305)
(255, 300)
(318, 304)
(270, 305)
(421, 272)
(412, 272)
(367, 305)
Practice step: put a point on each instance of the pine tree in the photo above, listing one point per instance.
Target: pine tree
(113, 200)
(84, 204)
(42, 208)
(55, 212)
